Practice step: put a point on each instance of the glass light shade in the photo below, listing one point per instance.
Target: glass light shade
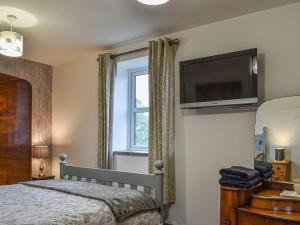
(11, 44)
(153, 2)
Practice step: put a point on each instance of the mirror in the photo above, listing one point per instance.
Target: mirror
(277, 137)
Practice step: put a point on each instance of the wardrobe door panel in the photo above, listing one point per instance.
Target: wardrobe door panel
(15, 130)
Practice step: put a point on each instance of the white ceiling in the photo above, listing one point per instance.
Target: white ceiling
(67, 29)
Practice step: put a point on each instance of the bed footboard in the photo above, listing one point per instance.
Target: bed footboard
(149, 183)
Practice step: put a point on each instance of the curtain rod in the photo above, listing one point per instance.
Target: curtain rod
(129, 52)
(173, 42)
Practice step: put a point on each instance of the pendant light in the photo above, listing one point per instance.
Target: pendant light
(153, 2)
(11, 43)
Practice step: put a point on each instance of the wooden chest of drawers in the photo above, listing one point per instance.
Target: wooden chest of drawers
(259, 205)
(281, 170)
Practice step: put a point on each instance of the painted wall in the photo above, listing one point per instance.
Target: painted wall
(204, 143)
(74, 128)
(40, 77)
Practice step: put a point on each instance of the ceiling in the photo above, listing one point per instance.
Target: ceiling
(68, 29)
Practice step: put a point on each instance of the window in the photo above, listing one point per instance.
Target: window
(131, 107)
(139, 109)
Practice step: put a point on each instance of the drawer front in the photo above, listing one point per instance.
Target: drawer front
(280, 177)
(279, 168)
(259, 219)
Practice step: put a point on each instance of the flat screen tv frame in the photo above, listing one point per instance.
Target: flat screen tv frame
(255, 101)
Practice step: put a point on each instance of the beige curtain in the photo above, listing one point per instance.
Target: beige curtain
(162, 111)
(106, 83)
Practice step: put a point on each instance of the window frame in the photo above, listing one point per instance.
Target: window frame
(133, 73)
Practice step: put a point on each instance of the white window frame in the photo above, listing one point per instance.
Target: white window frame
(133, 109)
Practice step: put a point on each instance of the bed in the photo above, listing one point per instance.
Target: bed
(85, 196)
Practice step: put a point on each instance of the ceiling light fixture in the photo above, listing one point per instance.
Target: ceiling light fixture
(11, 43)
(153, 2)
(25, 18)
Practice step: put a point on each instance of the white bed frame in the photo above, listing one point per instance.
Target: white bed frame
(150, 183)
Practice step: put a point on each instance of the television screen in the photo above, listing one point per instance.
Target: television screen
(219, 80)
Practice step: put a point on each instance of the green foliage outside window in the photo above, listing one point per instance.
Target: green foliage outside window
(141, 129)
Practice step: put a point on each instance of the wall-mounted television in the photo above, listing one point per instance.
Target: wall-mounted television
(227, 79)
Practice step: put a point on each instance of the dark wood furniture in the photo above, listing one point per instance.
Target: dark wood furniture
(281, 170)
(15, 130)
(43, 178)
(260, 205)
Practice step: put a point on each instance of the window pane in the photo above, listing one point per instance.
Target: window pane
(142, 91)
(141, 129)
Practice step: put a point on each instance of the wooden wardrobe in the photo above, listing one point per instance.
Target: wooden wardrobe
(15, 130)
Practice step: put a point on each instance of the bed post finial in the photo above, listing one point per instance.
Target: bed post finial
(159, 165)
(63, 161)
(63, 158)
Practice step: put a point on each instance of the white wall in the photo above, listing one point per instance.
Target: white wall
(75, 109)
(204, 143)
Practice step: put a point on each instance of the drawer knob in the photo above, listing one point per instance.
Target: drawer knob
(227, 222)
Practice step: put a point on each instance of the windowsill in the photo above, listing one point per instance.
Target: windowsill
(131, 153)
